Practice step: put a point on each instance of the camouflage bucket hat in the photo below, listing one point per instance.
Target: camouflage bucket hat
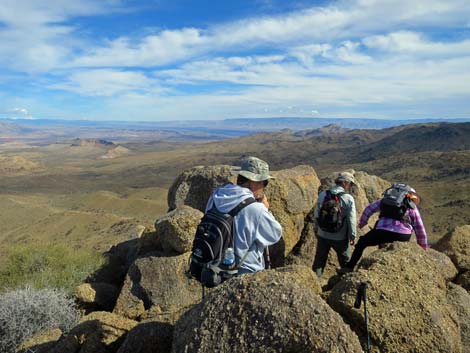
(254, 169)
(346, 176)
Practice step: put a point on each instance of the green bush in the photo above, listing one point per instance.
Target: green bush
(44, 266)
(26, 311)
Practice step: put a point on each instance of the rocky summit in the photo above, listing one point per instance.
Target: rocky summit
(417, 300)
(272, 311)
(407, 301)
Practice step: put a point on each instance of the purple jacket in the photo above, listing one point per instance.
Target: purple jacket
(396, 226)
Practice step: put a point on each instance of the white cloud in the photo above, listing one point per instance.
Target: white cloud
(406, 42)
(106, 82)
(249, 70)
(348, 54)
(343, 21)
(34, 36)
(154, 50)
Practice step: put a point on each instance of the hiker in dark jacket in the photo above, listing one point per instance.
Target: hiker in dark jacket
(342, 239)
(388, 230)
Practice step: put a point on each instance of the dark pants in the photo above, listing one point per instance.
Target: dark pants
(373, 238)
(341, 248)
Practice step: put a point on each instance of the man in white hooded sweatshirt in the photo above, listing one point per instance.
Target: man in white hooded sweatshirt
(255, 227)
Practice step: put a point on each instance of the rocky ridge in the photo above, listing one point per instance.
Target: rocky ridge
(413, 304)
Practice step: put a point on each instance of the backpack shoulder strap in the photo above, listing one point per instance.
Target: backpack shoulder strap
(327, 197)
(241, 206)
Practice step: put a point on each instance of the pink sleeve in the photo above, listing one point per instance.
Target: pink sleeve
(369, 211)
(418, 226)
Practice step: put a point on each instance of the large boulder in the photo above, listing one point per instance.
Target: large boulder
(174, 232)
(460, 299)
(456, 245)
(407, 302)
(270, 311)
(291, 196)
(194, 186)
(151, 335)
(97, 332)
(372, 185)
(96, 296)
(445, 265)
(157, 281)
(41, 342)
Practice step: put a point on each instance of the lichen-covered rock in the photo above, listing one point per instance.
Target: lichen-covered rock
(460, 299)
(175, 230)
(41, 342)
(407, 302)
(157, 281)
(291, 196)
(97, 332)
(95, 296)
(270, 311)
(444, 263)
(194, 186)
(456, 245)
(372, 185)
(150, 336)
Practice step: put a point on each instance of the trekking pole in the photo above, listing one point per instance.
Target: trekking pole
(362, 296)
(268, 258)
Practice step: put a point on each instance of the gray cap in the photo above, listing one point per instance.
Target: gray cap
(254, 169)
(346, 176)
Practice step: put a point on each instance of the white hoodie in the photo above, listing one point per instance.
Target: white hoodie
(254, 224)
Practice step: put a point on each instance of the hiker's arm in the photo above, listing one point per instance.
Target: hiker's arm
(368, 212)
(318, 205)
(269, 231)
(418, 226)
(351, 219)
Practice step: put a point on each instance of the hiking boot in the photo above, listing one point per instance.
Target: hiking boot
(343, 270)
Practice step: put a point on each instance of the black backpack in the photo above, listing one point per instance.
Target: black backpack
(396, 202)
(330, 217)
(214, 235)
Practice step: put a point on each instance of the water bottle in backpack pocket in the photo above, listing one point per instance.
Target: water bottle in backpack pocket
(213, 258)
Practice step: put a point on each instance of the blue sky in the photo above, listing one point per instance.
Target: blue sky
(182, 59)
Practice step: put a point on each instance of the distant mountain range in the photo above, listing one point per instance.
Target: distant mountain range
(200, 129)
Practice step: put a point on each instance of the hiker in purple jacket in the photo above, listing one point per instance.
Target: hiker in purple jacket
(388, 230)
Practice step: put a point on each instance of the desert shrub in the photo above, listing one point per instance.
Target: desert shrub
(26, 311)
(42, 266)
